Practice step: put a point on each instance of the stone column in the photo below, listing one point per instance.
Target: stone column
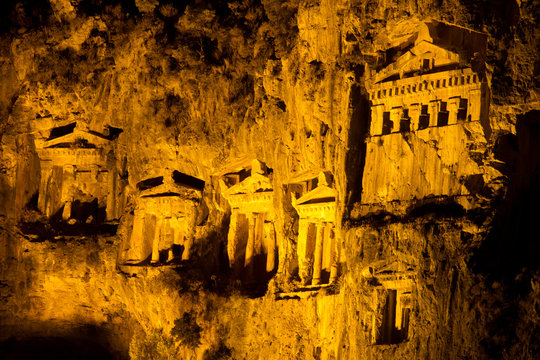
(395, 117)
(248, 262)
(414, 115)
(43, 188)
(66, 213)
(317, 257)
(301, 250)
(376, 119)
(335, 255)
(476, 104)
(177, 234)
(270, 245)
(433, 113)
(232, 241)
(399, 310)
(453, 106)
(134, 252)
(111, 195)
(188, 240)
(155, 243)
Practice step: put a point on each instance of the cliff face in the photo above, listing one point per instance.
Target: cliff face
(264, 179)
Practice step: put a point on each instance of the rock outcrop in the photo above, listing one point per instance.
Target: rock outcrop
(269, 179)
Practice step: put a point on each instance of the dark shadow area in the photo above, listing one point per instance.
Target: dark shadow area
(187, 180)
(388, 332)
(508, 256)
(62, 131)
(83, 210)
(114, 132)
(447, 209)
(98, 7)
(358, 131)
(514, 241)
(82, 343)
(55, 231)
(149, 183)
(32, 203)
(24, 14)
(165, 194)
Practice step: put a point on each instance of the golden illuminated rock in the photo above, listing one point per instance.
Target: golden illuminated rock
(76, 176)
(429, 113)
(251, 243)
(317, 245)
(164, 219)
(269, 179)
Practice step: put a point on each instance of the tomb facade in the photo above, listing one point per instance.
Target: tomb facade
(391, 306)
(78, 176)
(317, 249)
(436, 80)
(164, 220)
(429, 112)
(251, 242)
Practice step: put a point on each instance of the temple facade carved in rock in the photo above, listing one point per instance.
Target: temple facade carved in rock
(164, 220)
(317, 247)
(429, 101)
(437, 80)
(251, 241)
(392, 286)
(79, 178)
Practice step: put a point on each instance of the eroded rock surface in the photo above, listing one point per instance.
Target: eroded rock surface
(269, 179)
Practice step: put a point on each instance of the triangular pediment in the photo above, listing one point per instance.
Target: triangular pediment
(253, 184)
(411, 61)
(320, 194)
(394, 267)
(89, 139)
(390, 274)
(444, 44)
(172, 189)
(175, 184)
(303, 176)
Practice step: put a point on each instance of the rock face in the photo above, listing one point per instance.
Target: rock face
(269, 179)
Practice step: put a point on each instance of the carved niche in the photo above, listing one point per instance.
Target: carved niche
(164, 220)
(317, 249)
(390, 313)
(251, 244)
(78, 176)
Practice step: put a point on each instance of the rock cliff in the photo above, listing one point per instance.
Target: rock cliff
(331, 179)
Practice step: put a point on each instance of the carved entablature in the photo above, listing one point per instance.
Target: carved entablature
(164, 219)
(438, 79)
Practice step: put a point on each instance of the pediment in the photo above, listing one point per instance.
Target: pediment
(321, 194)
(444, 44)
(171, 189)
(411, 61)
(175, 184)
(90, 139)
(303, 176)
(394, 267)
(255, 183)
(390, 274)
